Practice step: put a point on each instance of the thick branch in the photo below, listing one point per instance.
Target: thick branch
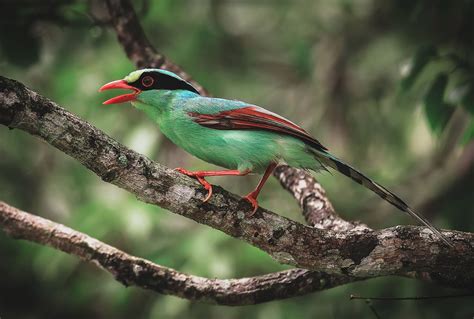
(361, 253)
(317, 209)
(130, 270)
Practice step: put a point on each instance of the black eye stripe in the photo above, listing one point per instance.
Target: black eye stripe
(161, 81)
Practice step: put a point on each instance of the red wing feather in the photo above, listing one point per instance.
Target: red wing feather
(254, 118)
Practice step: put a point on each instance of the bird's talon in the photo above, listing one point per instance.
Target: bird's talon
(207, 186)
(209, 194)
(200, 179)
(252, 202)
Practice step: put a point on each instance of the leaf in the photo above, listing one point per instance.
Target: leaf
(437, 111)
(421, 59)
(468, 133)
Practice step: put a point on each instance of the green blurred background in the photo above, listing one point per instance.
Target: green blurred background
(386, 85)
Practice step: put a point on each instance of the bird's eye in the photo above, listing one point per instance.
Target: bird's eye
(147, 81)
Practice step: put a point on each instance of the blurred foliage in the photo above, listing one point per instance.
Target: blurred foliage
(371, 79)
(461, 92)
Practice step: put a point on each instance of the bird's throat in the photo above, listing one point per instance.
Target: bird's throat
(154, 112)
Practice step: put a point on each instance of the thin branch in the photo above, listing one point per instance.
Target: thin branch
(372, 309)
(360, 253)
(133, 271)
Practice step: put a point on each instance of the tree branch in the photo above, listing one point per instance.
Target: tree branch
(130, 270)
(317, 209)
(358, 253)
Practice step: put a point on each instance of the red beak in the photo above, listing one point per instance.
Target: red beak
(120, 84)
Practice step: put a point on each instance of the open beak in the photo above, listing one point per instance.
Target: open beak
(120, 84)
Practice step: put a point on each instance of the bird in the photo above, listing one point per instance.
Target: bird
(241, 137)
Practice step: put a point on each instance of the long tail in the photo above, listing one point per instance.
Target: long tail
(378, 189)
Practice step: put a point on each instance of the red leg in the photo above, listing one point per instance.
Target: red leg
(252, 196)
(199, 175)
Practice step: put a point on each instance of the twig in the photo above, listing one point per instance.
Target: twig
(372, 309)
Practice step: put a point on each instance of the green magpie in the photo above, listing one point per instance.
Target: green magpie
(241, 137)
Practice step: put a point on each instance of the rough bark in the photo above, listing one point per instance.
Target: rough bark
(133, 271)
(359, 253)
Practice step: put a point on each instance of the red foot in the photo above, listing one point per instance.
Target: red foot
(200, 179)
(251, 198)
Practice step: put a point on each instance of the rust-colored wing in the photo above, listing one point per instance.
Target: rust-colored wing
(255, 118)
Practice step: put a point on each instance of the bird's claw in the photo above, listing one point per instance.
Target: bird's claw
(206, 185)
(200, 179)
(253, 201)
